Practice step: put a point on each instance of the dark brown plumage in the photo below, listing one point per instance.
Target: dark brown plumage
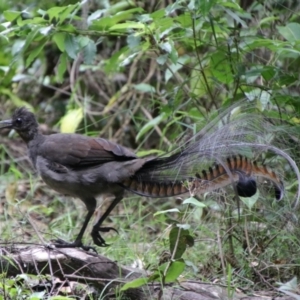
(85, 167)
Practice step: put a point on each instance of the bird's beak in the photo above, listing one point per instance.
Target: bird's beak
(6, 124)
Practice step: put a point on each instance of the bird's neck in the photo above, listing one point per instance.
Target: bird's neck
(29, 135)
(34, 146)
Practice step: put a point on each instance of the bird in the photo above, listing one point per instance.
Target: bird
(86, 167)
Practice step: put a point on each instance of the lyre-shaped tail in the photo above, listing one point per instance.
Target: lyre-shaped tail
(220, 149)
(237, 170)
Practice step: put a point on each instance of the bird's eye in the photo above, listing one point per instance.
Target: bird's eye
(19, 121)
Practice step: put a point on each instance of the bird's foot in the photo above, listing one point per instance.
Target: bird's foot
(97, 238)
(77, 244)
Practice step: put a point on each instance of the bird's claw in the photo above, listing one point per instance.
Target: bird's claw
(98, 239)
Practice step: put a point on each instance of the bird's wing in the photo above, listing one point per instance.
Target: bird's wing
(77, 151)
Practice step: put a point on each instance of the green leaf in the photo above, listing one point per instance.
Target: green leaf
(174, 271)
(177, 242)
(158, 14)
(151, 124)
(162, 59)
(71, 46)
(59, 38)
(133, 41)
(128, 25)
(205, 6)
(134, 284)
(11, 15)
(35, 52)
(107, 22)
(194, 201)
(70, 122)
(82, 41)
(89, 52)
(61, 13)
(291, 32)
(62, 66)
(68, 12)
(220, 67)
(30, 38)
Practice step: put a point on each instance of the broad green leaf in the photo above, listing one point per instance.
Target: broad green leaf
(158, 14)
(162, 59)
(220, 67)
(177, 239)
(70, 122)
(71, 46)
(205, 6)
(194, 201)
(134, 284)
(38, 20)
(59, 38)
(89, 52)
(165, 25)
(175, 270)
(166, 211)
(11, 15)
(150, 125)
(291, 32)
(133, 41)
(82, 41)
(185, 20)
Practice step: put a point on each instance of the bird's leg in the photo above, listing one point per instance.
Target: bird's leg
(91, 206)
(97, 238)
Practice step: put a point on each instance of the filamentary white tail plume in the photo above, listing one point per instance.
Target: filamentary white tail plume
(224, 152)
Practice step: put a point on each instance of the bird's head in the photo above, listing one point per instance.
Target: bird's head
(24, 122)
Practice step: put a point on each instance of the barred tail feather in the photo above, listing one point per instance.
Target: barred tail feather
(236, 169)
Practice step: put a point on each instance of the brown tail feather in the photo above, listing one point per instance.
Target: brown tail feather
(237, 169)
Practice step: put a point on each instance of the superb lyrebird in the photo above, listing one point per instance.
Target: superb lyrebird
(85, 167)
